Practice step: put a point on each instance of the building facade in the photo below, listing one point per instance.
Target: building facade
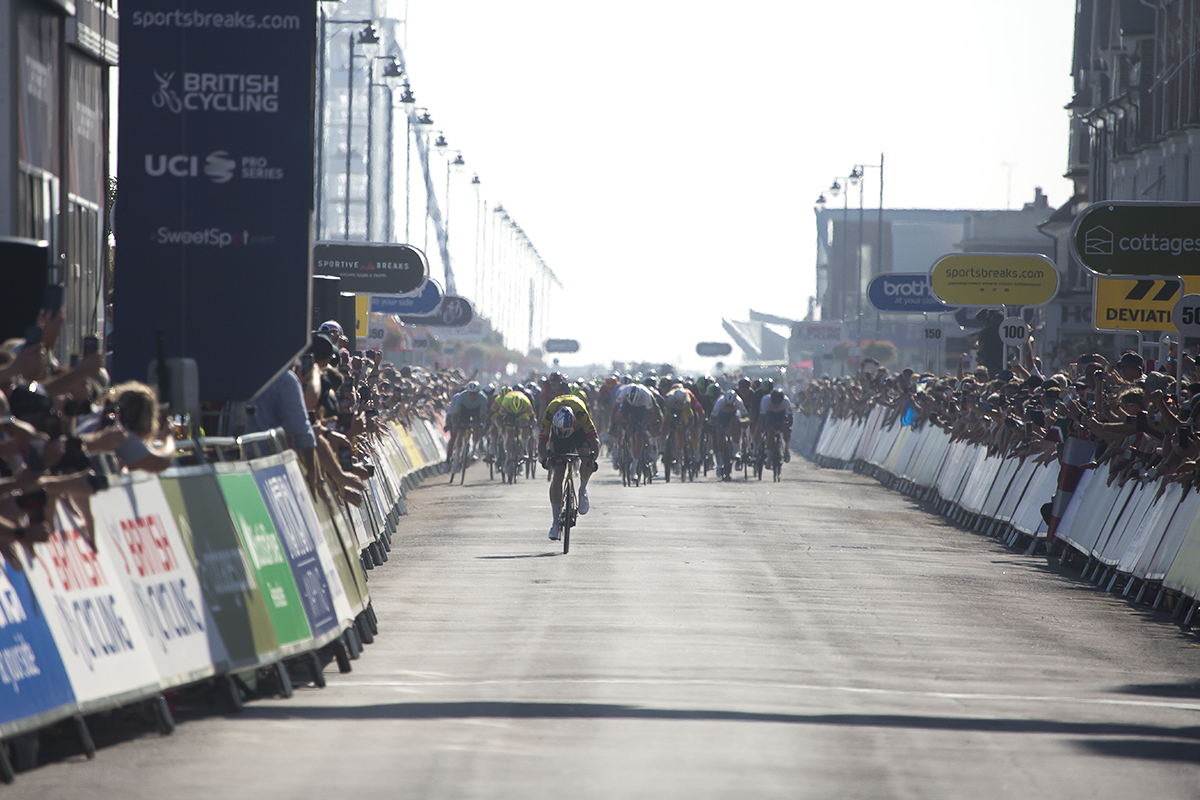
(54, 166)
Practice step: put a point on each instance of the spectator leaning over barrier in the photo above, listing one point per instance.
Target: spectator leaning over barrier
(148, 443)
(284, 404)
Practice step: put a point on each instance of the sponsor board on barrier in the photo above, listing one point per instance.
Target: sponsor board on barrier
(266, 555)
(228, 581)
(994, 279)
(34, 687)
(90, 616)
(290, 506)
(135, 521)
(344, 555)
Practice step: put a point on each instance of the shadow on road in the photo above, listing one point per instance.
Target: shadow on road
(521, 555)
(1185, 736)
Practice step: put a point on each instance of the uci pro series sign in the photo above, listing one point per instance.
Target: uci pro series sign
(216, 165)
(994, 279)
(905, 292)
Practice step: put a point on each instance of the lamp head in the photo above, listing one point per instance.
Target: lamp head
(440, 143)
(369, 35)
(392, 69)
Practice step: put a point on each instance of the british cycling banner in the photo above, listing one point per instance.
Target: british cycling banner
(214, 218)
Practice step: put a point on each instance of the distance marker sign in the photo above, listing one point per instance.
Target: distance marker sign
(991, 279)
(1138, 238)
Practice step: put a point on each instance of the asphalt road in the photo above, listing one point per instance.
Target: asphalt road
(818, 638)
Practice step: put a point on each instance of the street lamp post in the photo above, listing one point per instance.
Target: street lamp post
(368, 35)
(390, 70)
(858, 173)
(325, 21)
(407, 102)
(836, 188)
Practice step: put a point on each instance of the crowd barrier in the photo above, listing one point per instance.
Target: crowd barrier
(225, 572)
(1142, 534)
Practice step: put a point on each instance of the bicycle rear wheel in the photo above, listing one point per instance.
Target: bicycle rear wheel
(568, 514)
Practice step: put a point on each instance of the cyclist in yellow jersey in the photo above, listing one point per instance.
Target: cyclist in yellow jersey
(512, 413)
(567, 428)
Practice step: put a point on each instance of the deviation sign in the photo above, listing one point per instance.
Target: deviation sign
(714, 349)
(1138, 304)
(904, 291)
(994, 279)
(1148, 239)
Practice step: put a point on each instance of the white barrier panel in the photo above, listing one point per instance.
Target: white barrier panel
(1000, 488)
(1027, 518)
(134, 521)
(1125, 529)
(1124, 493)
(91, 618)
(1156, 529)
(1165, 553)
(1184, 574)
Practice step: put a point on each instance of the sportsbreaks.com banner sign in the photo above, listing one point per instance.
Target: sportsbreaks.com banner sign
(214, 201)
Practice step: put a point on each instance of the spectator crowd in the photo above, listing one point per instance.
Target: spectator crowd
(1116, 416)
(64, 429)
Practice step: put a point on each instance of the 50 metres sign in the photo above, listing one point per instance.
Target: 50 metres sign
(1151, 239)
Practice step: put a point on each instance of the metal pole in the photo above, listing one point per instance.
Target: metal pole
(370, 144)
(446, 224)
(845, 236)
(879, 231)
(321, 129)
(349, 128)
(859, 266)
(407, 172)
(391, 216)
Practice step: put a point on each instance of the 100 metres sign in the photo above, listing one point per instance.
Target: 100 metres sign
(1149, 239)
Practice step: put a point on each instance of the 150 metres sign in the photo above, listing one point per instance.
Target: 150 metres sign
(1138, 238)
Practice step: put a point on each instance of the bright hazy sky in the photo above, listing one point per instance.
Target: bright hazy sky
(664, 156)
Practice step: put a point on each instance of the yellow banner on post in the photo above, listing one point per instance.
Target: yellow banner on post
(362, 304)
(994, 279)
(1138, 304)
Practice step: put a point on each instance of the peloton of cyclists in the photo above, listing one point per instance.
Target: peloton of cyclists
(566, 428)
(467, 411)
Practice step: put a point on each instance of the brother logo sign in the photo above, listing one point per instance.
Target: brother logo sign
(905, 292)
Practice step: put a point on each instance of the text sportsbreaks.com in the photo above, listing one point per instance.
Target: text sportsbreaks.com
(983, 272)
(205, 19)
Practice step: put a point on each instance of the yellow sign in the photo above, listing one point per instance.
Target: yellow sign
(362, 303)
(1138, 304)
(994, 279)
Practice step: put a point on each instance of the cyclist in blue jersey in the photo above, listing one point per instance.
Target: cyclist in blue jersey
(467, 411)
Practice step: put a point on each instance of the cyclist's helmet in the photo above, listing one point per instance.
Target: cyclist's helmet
(626, 380)
(755, 384)
(768, 384)
(744, 383)
(563, 424)
(776, 394)
(490, 388)
(677, 398)
(556, 378)
(473, 387)
(648, 381)
(713, 389)
(731, 396)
